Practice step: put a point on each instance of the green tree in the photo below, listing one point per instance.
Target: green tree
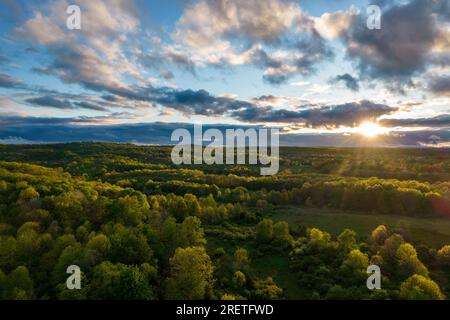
(318, 237)
(408, 262)
(18, 285)
(97, 249)
(357, 260)
(28, 194)
(240, 259)
(389, 250)
(264, 231)
(239, 279)
(130, 247)
(347, 240)
(267, 289)
(418, 287)
(444, 256)
(281, 234)
(133, 284)
(192, 204)
(191, 274)
(191, 233)
(379, 235)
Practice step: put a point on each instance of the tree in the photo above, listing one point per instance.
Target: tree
(281, 234)
(28, 194)
(8, 252)
(130, 211)
(191, 233)
(133, 284)
(418, 287)
(267, 289)
(318, 237)
(264, 231)
(192, 204)
(444, 256)
(356, 260)
(130, 247)
(18, 285)
(191, 274)
(389, 250)
(239, 279)
(240, 259)
(347, 240)
(379, 235)
(408, 262)
(98, 248)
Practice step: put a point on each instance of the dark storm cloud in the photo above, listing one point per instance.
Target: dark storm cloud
(438, 121)
(349, 81)
(7, 81)
(440, 85)
(199, 102)
(400, 49)
(347, 114)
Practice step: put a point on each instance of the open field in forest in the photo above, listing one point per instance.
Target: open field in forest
(432, 231)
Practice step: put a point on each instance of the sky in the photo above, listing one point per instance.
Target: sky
(137, 70)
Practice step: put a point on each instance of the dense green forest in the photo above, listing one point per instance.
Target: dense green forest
(140, 227)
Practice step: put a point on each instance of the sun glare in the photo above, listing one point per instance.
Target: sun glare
(370, 129)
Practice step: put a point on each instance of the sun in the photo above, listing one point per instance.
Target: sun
(370, 129)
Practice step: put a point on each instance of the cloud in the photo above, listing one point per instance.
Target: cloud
(64, 103)
(49, 101)
(438, 121)
(347, 114)
(199, 102)
(401, 49)
(333, 25)
(17, 141)
(440, 85)
(89, 105)
(51, 130)
(7, 81)
(274, 100)
(203, 22)
(94, 56)
(349, 81)
(273, 35)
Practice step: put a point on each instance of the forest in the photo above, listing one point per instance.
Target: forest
(141, 228)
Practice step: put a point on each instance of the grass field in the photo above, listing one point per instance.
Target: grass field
(275, 265)
(433, 231)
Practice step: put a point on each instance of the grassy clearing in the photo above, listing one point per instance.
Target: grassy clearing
(273, 264)
(432, 231)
